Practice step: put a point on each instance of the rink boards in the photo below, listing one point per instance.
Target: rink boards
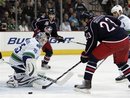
(10, 40)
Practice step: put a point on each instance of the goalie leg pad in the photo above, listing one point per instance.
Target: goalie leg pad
(12, 83)
(31, 67)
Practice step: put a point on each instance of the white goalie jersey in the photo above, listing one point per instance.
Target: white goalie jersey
(30, 47)
(125, 22)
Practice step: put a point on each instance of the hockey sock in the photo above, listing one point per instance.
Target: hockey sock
(47, 56)
(90, 69)
(46, 60)
(125, 68)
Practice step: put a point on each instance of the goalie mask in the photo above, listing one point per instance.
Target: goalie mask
(41, 38)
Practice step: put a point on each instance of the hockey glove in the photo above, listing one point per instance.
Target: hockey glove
(36, 31)
(83, 57)
(60, 39)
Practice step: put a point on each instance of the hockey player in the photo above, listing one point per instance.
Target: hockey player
(22, 61)
(113, 40)
(47, 24)
(117, 12)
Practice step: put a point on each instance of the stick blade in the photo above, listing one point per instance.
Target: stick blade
(65, 79)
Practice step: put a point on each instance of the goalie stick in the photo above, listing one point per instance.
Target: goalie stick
(56, 80)
(59, 82)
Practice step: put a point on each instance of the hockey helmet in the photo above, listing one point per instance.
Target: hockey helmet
(51, 11)
(51, 14)
(117, 9)
(87, 15)
(41, 37)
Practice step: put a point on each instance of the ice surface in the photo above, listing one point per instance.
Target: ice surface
(103, 84)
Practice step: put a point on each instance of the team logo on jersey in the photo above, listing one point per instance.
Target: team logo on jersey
(46, 23)
(48, 29)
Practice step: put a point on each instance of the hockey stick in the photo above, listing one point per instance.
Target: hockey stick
(101, 62)
(97, 66)
(78, 43)
(56, 80)
(59, 82)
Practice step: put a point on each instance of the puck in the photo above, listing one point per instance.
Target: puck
(30, 92)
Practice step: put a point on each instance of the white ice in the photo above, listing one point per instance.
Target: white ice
(103, 84)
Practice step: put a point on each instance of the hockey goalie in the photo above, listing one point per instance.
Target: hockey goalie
(23, 61)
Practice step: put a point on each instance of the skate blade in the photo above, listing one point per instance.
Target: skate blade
(44, 68)
(121, 81)
(85, 91)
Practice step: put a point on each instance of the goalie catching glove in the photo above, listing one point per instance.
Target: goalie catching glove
(84, 58)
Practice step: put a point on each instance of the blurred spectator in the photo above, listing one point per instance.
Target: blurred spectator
(80, 7)
(3, 8)
(73, 27)
(39, 7)
(74, 19)
(71, 11)
(11, 25)
(58, 11)
(23, 26)
(82, 25)
(12, 12)
(3, 26)
(126, 10)
(106, 6)
(67, 5)
(20, 16)
(28, 12)
(5, 21)
(65, 26)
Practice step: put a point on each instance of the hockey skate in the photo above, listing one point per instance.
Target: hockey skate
(45, 66)
(20, 79)
(128, 86)
(120, 78)
(84, 87)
